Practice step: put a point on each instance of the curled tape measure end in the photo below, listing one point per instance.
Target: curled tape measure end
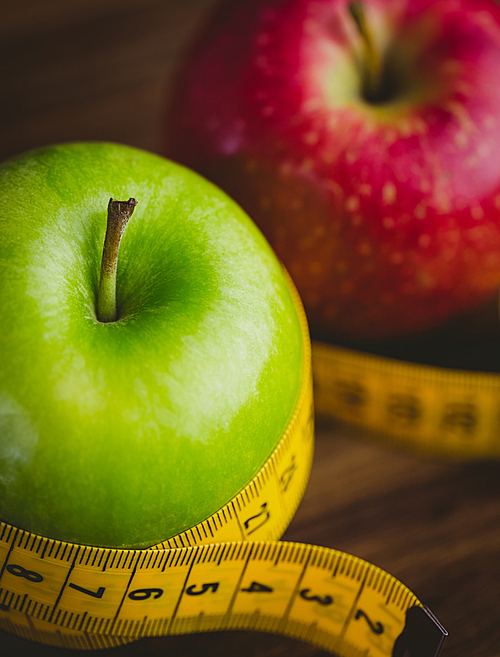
(423, 635)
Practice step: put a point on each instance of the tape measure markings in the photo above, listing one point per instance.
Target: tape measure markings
(310, 581)
(428, 408)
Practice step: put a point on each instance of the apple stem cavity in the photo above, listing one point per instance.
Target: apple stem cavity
(373, 91)
(119, 213)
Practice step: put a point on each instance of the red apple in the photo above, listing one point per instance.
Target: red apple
(369, 155)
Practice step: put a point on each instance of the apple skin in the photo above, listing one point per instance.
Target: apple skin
(126, 433)
(386, 213)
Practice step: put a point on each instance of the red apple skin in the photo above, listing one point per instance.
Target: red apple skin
(386, 214)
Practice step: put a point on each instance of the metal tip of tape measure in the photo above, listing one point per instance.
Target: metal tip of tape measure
(423, 635)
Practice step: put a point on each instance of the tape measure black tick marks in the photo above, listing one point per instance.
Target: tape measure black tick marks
(227, 572)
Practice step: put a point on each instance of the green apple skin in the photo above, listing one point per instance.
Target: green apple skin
(125, 433)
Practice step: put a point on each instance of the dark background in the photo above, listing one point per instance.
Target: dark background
(103, 69)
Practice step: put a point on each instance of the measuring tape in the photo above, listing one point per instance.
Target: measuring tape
(428, 409)
(75, 596)
(227, 572)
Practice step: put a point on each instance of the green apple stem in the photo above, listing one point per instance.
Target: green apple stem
(372, 61)
(119, 212)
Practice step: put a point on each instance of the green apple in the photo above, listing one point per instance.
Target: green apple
(123, 433)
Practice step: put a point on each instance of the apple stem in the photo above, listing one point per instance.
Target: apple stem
(373, 64)
(119, 212)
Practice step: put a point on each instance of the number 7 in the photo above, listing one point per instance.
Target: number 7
(94, 594)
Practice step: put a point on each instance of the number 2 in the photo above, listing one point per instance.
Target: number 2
(377, 627)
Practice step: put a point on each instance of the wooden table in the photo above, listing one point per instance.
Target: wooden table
(102, 69)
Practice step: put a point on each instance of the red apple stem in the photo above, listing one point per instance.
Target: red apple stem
(372, 61)
(119, 212)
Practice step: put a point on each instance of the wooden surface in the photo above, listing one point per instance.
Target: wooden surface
(102, 69)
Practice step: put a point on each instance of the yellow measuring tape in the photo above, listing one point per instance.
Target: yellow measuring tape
(228, 572)
(429, 409)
